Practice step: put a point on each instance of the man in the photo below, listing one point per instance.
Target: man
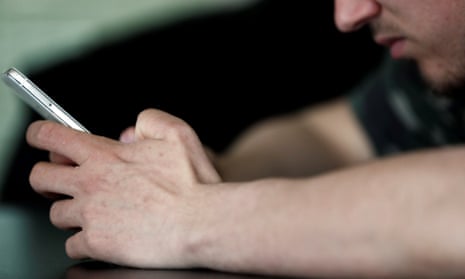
(156, 200)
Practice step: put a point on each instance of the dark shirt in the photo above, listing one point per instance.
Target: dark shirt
(400, 113)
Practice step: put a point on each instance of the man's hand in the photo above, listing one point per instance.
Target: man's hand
(134, 202)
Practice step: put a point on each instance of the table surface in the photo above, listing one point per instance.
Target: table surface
(30, 247)
(101, 270)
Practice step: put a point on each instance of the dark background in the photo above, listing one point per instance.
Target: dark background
(220, 73)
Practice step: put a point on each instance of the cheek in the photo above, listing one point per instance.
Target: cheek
(441, 53)
(440, 49)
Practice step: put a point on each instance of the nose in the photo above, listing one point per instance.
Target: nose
(350, 15)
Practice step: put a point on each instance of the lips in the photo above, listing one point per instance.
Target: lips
(396, 45)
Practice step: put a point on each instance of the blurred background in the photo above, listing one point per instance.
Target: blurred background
(61, 45)
(220, 65)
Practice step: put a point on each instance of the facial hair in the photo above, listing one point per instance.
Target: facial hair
(452, 82)
(452, 87)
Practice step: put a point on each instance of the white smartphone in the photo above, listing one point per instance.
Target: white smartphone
(32, 95)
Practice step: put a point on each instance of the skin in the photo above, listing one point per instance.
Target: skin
(424, 29)
(158, 199)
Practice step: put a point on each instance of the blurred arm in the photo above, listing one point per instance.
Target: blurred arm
(320, 138)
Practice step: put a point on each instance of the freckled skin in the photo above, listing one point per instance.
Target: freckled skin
(294, 197)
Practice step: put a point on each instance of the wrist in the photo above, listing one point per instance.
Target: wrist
(213, 240)
(235, 233)
(204, 226)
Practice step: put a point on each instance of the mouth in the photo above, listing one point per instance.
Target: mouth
(396, 45)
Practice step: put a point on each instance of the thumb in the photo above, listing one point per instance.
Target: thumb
(159, 125)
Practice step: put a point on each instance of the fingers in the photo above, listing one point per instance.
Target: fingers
(156, 124)
(56, 138)
(83, 244)
(50, 179)
(59, 159)
(128, 135)
(64, 214)
(76, 247)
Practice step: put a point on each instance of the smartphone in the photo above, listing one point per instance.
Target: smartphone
(32, 95)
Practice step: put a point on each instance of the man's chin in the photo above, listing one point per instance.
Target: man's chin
(449, 90)
(447, 84)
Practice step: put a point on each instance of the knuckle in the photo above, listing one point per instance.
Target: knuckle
(87, 214)
(180, 130)
(93, 243)
(45, 131)
(54, 213)
(35, 176)
(69, 248)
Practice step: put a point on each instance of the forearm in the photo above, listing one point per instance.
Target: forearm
(399, 216)
(321, 138)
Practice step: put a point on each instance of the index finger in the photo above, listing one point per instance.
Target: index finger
(56, 138)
